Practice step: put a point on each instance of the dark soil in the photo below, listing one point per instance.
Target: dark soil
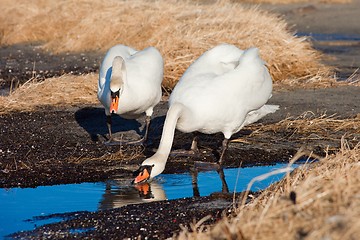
(65, 145)
(52, 146)
(22, 62)
(57, 146)
(157, 220)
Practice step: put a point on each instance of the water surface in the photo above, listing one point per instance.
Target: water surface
(21, 207)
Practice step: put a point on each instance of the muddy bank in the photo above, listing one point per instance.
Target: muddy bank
(22, 62)
(66, 146)
(157, 220)
(54, 146)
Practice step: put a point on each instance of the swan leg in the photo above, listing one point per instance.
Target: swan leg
(147, 126)
(194, 151)
(224, 188)
(194, 144)
(225, 144)
(114, 141)
(142, 140)
(194, 175)
(108, 123)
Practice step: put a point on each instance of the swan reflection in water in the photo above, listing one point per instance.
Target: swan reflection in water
(203, 167)
(120, 193)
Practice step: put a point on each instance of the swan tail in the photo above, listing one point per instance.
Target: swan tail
(256, 115)
(271, 108)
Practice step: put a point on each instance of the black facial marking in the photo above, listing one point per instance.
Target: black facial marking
(141, 170)
(114, 94)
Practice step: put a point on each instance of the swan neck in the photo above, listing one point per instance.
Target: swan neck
(168, 132)
(118, 74)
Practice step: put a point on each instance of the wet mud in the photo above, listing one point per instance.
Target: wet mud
(52, 146)
(158, 220)
(56, 146)
(22, 62)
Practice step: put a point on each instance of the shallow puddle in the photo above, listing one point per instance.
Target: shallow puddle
(24, 208)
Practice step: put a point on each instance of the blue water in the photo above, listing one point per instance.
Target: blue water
(21, 207)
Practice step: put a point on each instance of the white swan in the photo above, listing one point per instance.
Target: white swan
(130, 84)
(222, 91)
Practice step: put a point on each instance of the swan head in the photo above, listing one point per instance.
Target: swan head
(142, 174)
(118, 75)
(149, 169)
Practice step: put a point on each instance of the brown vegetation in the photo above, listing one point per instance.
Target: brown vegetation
(180, 30)
(67, 90)
(314, 127)
(323, 203)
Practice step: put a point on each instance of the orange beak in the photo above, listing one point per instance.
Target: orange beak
(143, 176)
(114, 104)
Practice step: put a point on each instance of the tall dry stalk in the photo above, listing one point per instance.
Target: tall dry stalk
(318, 201)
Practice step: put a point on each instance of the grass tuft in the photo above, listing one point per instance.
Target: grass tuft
(67, 90)
(316, 201)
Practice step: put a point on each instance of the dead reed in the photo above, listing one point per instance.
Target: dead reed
(321, 201)
(67, 90)
(181, 30)
(311, 125)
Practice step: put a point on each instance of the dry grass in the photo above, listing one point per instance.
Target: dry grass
(181, 30)
(67, 90)
(327, 205)
(312, 126)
